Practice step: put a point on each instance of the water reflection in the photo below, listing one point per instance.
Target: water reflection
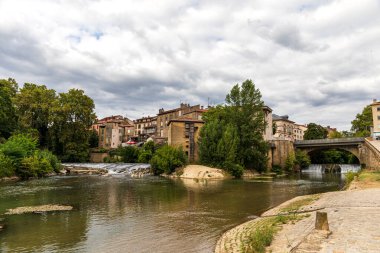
(153, 214)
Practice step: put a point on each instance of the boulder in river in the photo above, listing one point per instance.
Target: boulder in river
(38, 209)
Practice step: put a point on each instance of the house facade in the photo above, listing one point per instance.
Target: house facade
(376, 119)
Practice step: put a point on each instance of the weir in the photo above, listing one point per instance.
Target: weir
(114, 168)
(320, 168)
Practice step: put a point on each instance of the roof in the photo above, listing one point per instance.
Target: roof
(186, 120)
(265, 107)
(276, 117)
(196, 110)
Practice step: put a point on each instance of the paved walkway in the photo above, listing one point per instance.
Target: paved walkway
(354, 220)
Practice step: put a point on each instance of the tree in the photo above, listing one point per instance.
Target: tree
(34, 103)
(93, 140)
(8, 118)
(233, 133)
(362, 123)
(71, 117)
(314, 132)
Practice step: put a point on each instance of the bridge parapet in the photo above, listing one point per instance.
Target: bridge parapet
(330, 142)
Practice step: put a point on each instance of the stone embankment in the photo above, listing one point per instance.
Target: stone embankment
(353, 217)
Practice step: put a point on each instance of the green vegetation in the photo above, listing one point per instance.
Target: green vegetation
(350, 176)
(296, 161)
(333, 156)
(362, 123)
(19, 156)
(8, 118)
(314, 132)
(60, 122)
(231, 137)
(166, 159)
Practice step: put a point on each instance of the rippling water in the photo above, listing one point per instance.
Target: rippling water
(152, 214)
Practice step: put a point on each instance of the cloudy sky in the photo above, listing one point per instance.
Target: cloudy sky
(317, 61)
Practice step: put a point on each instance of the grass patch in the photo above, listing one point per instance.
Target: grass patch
(296, 205)
(369, 176)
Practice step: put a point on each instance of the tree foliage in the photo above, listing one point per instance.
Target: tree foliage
(362, 123)
(314, 132)
(71, 117)
(8, 118)
(232, 136)
(34, 103)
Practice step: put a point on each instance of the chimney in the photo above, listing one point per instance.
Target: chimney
(374, 100)
(202, 107)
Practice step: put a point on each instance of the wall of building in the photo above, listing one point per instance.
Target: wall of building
(376, 118)
(97, 157)
(280, 151)
(177, 137)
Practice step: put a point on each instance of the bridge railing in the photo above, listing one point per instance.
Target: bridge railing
(330, 141)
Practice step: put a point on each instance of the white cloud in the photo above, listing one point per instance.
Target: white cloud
(314, 60)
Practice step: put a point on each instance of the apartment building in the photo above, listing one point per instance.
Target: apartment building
(184, 132)
(287, 129)
(163, 117)
(145, 127)
(113, 131)
(376, 119)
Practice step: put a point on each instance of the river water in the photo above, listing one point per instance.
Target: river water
(150, 214)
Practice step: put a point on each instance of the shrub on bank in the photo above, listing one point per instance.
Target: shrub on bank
(166, 159)
(19, 156)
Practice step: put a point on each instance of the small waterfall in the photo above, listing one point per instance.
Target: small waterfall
(129, 169)
(349, 167)
(314, 168)
(320, 168)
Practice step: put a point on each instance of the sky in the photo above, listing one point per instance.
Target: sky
(314, 60)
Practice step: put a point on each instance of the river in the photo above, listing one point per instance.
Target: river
(150, 214)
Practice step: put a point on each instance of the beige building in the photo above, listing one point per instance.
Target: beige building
(113, 131)
(268, 132)
(287, 129)
(184, 132)
(376, 119)
(163, 117)
(145, 127)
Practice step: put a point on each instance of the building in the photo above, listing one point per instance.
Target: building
(163, 117)
(376, 119)
(184, 132)
(268, 132)
(287, 129)
(113, 131)
(145, 127)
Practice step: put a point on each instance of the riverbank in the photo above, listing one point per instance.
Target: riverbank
(353, 217)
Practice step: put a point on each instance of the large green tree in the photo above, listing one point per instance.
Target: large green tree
(362, 123)
(315, 131)
(233, 133)
(33, 104)
(71, 118)
(8, 118)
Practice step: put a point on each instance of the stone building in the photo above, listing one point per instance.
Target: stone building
(184, 132)
(287, 129)
(268, 132)
(376, 119)
(145, 127)
(163, 117)
(113, 131)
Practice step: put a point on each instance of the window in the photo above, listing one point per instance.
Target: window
(378, 109)
(378, 117)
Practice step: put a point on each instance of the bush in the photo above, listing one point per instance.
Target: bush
(147, 152)
(167, 159)
(36, 165)
(277, 169)
(19, 146)
(129, 154)
(302, 159)
(235, 170)
(53, 160)
(290, 162)
(7, 169)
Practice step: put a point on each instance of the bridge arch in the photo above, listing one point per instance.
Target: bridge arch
(353, 151)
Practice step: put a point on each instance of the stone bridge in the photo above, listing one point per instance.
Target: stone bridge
(362, 148)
